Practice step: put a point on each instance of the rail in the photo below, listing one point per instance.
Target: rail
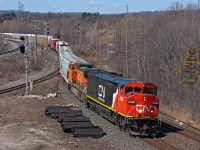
(13, 50)
(56, 72)
(10, 51)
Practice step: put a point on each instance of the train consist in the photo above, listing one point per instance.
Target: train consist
(127, 102)
(131, 104)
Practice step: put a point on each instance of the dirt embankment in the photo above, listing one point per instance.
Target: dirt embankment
(23, 124)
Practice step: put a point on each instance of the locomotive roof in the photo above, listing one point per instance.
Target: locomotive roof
(69, 55)
(113, 77)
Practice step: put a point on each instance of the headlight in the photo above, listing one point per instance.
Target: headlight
(131, 101)
(155, 103)
(140, 111)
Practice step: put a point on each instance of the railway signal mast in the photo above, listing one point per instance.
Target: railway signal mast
(24, 50)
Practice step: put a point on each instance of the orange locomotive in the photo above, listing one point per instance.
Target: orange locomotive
(130, 103)
(77, 75)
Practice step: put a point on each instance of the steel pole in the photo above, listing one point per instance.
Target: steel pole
(26, 64)
(126, 51)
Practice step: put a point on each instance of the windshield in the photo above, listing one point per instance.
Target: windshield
(150, 91)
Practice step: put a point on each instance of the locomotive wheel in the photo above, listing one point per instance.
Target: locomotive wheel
(115, 119)
(121, 124)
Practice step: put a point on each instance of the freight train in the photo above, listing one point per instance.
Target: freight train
(131, 104)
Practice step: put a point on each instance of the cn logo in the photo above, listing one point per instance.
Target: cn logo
(101, 93)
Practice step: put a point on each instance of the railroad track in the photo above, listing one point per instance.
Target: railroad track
(184, 132)
(193, 128)
(10, 51)
(34, 81)
(159, 144)
(189, 133)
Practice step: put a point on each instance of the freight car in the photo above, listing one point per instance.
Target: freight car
(42, 40)
(53, 43)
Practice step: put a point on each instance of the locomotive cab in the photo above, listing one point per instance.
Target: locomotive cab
(139, 102)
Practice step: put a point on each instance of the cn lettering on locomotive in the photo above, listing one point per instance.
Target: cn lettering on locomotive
(101, 93)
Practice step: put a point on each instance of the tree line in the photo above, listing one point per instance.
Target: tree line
(160, 47)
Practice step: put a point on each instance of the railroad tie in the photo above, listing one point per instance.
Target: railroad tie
(74, 122)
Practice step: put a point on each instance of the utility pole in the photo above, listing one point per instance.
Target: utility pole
(125, 31)
(127, 9)
(198, 4)
(35, 41)
(126, 51)
(79, 35)
(47, 34)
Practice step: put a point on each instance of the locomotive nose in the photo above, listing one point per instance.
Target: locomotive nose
(150, 105)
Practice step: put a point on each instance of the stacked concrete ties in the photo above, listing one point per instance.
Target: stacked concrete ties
(74, 122)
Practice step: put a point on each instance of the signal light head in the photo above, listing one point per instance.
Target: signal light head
(22, 49)
(22, 38)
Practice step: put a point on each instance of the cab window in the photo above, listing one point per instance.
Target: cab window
(137, 89)
(150, 91)
(129, 91)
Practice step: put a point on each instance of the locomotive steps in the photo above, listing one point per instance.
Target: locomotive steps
(74, 122)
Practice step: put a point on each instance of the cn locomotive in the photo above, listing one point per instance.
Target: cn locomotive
(131, 104)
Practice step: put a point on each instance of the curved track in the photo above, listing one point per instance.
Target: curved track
(10, 51)
(49, 73)
(34, 81)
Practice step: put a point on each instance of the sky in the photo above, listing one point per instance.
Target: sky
(101, 6)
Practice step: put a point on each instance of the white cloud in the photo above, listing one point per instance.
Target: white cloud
(92, 2)
(115, 6)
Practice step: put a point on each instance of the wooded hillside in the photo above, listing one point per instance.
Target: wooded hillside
(158, 47)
